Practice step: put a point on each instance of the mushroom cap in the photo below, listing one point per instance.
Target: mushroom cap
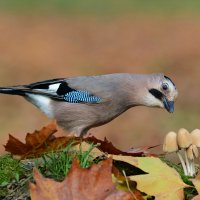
(170, 142)
(195, 151)
(184, 139)
(196, 137)
(189, 153)
(192, 152)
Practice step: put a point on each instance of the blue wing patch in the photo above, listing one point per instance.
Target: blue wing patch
(81, 96)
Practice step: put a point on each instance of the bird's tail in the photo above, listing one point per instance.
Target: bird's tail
(24, 91)
(12, 90)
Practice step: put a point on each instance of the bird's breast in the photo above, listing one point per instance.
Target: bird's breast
(83, 115)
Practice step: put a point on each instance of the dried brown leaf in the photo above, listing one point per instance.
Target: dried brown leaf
(15, 146)
(107, 147)
(36, 143)
(94, 183)
(43, 141)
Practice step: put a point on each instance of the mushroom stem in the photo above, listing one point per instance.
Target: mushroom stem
(191, 168)
(182, 163)
(192, 165)
(187, 163)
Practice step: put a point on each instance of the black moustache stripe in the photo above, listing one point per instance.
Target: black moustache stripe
(156, 93)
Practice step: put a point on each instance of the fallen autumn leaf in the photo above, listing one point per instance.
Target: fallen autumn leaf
(44, 141)
(94, 183)
(161, 181)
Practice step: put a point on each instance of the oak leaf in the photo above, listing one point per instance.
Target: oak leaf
(161, 181)
(94, 183)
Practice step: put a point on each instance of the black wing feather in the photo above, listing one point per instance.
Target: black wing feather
(44, 84)
(63, 93)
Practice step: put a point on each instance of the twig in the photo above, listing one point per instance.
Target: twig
(128, 186)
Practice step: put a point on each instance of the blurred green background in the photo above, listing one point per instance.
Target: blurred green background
(60, 38)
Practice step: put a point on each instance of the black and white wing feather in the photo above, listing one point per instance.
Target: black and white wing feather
(58, 89)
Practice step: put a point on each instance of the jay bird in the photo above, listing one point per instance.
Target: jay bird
(81, 103)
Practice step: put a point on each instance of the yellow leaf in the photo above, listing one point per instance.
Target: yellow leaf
(162, 181)
(196, 183)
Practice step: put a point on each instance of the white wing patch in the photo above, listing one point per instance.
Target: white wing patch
(42, 102)
(54, 87)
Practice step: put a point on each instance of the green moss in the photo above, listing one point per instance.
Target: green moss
(10, 169)
(15, 175)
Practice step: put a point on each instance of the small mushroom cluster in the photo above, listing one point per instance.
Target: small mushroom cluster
(189, 143)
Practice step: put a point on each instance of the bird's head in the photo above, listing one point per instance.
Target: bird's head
(161, 92)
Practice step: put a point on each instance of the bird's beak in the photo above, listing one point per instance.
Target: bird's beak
(169, 105)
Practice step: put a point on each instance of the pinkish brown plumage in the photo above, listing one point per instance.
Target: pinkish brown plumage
(80, 103)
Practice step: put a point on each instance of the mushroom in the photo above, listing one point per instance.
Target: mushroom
(192, 153)
(196, 137)
(170, 145)
(184, 140)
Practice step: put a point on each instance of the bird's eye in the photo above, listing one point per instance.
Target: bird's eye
(165, 86)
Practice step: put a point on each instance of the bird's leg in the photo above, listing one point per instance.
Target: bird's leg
(84, 134)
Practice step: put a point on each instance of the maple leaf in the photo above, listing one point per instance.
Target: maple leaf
(35, 139)
(44, 141)
(94, 183)
(36, 143)
(161, 181)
